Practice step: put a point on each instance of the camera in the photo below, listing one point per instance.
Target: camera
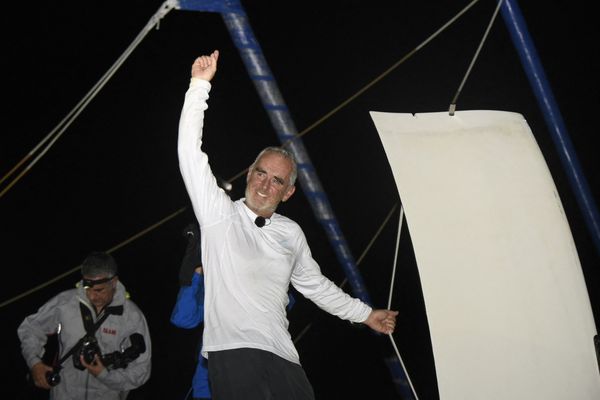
(118, 359)
(88, 349)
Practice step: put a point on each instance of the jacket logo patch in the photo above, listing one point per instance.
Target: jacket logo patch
(109, 331)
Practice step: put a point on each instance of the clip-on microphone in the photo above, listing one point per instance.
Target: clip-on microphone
(260, 221)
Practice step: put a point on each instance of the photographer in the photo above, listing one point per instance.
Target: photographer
(104, 342)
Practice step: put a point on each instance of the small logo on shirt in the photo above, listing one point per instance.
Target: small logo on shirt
(109, 331)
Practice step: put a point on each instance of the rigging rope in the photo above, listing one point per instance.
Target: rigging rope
(62, 126)
(400, 223)
(452, 107)
(387, 71)
(389, 305)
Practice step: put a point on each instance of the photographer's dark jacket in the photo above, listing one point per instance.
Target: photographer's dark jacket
(62, 314)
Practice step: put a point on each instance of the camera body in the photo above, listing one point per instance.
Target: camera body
(89, 349)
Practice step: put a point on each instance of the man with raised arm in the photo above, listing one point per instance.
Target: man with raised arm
(251, 254)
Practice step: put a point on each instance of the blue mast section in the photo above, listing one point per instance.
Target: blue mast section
(513, 18)
(243, 37)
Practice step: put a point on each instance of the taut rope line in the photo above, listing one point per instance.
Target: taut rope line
(62, 126)
(452, 107)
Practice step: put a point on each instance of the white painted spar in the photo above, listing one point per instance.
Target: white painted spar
(506, 301)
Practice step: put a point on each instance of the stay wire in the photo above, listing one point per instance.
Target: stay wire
(62, 126)
(452, 107)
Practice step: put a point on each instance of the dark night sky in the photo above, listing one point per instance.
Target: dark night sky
(114, 171)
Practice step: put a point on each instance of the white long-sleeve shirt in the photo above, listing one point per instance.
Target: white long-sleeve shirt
(248, 269)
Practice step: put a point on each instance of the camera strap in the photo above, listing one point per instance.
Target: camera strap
(90, 326)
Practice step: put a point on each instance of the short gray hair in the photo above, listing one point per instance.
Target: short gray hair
(285, 154)
(99, 263)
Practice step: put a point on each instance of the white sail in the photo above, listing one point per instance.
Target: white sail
(506, 301)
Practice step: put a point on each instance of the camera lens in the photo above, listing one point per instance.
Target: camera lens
(53, 378)
(88, 354)
(88, 350)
